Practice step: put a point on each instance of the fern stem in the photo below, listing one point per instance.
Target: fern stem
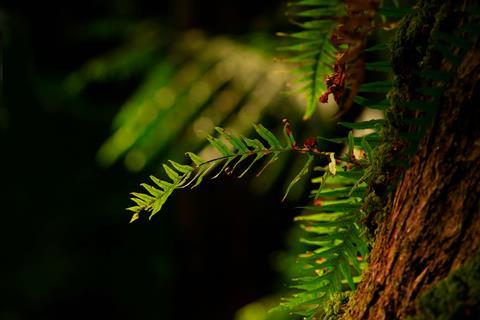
(250, 153)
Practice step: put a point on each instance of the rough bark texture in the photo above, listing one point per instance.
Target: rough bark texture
(433, 225)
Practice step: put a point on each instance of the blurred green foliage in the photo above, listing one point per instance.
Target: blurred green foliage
(68, 251)
(189, 87)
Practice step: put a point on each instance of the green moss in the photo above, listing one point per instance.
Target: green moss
(413, 41)
(410, 40)
(455, 297)
(335, 308)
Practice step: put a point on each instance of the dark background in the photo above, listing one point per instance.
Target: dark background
(68, 251)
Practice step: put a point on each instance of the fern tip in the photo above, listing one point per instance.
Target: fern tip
(135, 216)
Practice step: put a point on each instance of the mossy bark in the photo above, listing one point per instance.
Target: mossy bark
(433, 223)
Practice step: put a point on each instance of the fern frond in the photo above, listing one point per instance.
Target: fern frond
(314, 54)
(338, 248)
(335, 260)
(238, 150)
(379, 105)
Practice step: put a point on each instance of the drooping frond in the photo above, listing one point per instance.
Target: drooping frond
(337, 247)
(312, 50)
(230, 155)
(330, 46)
(333, 224)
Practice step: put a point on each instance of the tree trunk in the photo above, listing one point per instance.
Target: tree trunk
(433, 223)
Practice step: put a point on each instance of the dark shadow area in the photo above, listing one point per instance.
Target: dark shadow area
(68, 251)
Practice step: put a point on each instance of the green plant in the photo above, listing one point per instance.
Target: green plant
(241, 149)
(314, 53)
(332, 57)
(338, 248)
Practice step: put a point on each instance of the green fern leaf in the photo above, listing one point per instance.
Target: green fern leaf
(300, 175)
(268, 136)
(379, 105)
(181, 167)
(378, 47)
(162, 184)
(152, 190)
(344, 269)
(340, 192)
(370, 124)
(172, 174)
(195, 159)
(319, 13)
